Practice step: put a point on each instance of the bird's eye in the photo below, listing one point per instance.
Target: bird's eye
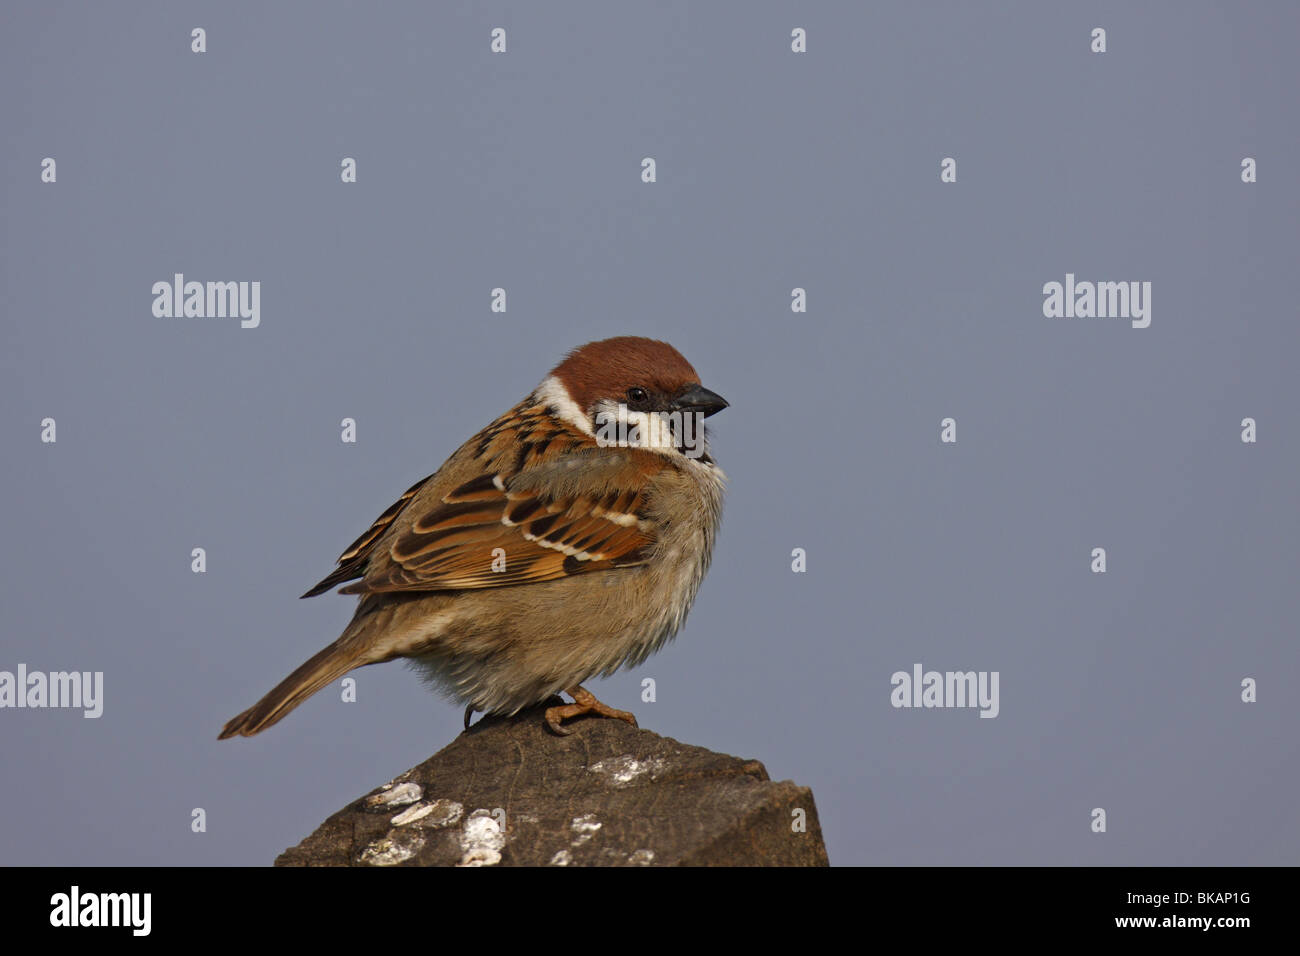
(636, 395)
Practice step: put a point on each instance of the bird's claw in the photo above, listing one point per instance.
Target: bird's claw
(584, 702)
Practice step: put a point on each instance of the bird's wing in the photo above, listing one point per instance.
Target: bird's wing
(352, 562)
(492, 532)
(544, 502)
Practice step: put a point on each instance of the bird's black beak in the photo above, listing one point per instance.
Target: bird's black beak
(697, 398)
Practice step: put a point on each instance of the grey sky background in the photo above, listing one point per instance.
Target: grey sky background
(775, 170)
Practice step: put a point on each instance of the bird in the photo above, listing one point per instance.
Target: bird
(565, 540)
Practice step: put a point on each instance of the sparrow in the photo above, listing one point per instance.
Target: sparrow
(565, 540)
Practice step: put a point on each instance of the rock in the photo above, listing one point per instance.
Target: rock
(509, 792)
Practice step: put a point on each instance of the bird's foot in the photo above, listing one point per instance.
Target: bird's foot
(584, 702)
(469, 715)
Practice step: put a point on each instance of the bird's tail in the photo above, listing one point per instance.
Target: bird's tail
(333, 662)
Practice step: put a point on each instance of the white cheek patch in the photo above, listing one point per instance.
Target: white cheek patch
(618, 426)
(679, 433)
(655, 430)
(553, 393)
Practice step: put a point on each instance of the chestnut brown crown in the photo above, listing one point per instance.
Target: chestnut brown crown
(612, 368)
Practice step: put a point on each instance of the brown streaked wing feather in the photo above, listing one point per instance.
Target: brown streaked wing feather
(580, 512)
(352, 562)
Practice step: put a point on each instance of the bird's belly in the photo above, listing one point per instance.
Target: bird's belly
(502, 652)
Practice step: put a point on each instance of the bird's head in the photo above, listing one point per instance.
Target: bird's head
(633, 391)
